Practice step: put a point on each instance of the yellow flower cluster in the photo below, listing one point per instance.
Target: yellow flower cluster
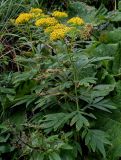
(23, 17)
(49, 21)
(59, 14)
(52, 25)
(36, 10)
(52, 28)
(59, 33)
(76, 21)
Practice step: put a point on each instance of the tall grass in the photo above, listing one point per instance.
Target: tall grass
(8, 10)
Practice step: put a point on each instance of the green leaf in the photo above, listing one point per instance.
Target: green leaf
(18, 118)
(87, 81)
(44, 102)
(111, 36)
(54, 156)
(27, 99)
(101, 59)
(102, 90)
(5, 90)
(111, 123)
(21, 77)
(77, 147)
(5, 148)
(105, 105)
(116, 66)
(116, 17)
(67, 147)
(102, 49)
(96, 139)
(101, 11)
(55, 121)
(119, 5)
(79, 120)
(3, 138)
(67, 155)
(37, 156)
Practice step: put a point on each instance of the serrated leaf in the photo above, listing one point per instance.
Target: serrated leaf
(27, 99)
(79, 120)
(56, 121)
(74, 120)
(96, 139)
(87, 81)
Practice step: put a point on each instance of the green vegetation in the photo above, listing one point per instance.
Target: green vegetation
(60, 80)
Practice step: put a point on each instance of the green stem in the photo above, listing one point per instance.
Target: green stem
(30, 36)
(75, 74)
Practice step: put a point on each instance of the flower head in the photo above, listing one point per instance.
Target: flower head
(23, 17)
(59, 33)
(49, 21)
(52, 28)
(36, 10)
(76, 21)
(59, 14)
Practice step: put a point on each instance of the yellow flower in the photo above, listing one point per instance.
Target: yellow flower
(23, 17)
(76, 21)
(59, 33)
(59, 26)
(36, 10)
(59, 14)
(36, 15)
(52, 28)
(49, 21)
